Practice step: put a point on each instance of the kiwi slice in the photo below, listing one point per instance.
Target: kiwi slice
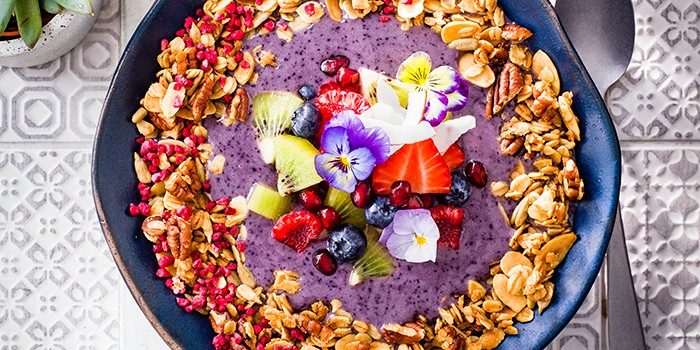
(375, 263)
(368, 85)
(294, 160)
(272, 115)
(267, 202)
(342, 203)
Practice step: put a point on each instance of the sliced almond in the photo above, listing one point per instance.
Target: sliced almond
(409, 10)
(243, 74)
(544, 69)
(350, 11)
(458, 30)
(513, 259)
(558, 245)
(500, 289)
(334, 10)
(310, 12)
(172, 101)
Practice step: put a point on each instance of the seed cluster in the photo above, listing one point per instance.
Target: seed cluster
(199, 242)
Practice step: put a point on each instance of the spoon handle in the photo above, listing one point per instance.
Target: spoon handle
(624, 323)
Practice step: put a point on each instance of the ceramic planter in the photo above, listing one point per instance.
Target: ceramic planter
(59, 36)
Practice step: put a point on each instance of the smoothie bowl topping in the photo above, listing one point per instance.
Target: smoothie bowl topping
(372, 164)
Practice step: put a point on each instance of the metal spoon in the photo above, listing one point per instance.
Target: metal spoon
(602, 32)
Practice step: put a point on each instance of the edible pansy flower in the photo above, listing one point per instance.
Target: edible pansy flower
(351, 151)
(446, 90)
(412, 236)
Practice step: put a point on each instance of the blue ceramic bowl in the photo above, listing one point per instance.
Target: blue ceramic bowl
(598, 157)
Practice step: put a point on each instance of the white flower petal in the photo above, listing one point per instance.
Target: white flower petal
(451, 130)
(421, 253)
(427, 228)
(400, 135)
(398, 245)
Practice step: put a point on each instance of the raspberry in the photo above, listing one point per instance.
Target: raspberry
(449, 222)
(297, 229)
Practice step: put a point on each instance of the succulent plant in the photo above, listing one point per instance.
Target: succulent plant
(28, 13)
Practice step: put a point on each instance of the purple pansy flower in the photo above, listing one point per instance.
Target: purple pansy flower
(351, 151)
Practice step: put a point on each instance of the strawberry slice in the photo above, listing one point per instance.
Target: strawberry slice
(297, 229)
(418, 163)
(335, 101)
(454, 156)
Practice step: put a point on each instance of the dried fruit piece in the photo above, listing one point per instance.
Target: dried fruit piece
(297, 229)
(449, 222)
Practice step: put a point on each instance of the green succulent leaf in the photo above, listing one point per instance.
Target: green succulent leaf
(6, 8)
(83, 7)
(29, 21)
(51, 6)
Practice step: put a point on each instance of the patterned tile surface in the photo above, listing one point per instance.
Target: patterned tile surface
(58, 284)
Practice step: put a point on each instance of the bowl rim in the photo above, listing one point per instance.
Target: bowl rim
(570, 54)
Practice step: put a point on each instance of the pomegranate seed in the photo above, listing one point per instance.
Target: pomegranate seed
(162, 273)
(241, 246)
(384, 19)
(163, 44)
(329, 218)
(264, 322)
(413, 203)
(427, 200)
(362, 195)
(257, 329)
(332, 65)
(389, 9)
(259, 346)
(400, 193)
(297, 334)
(237, 338)
(245, 64)
(250, 312)
(270, 25)
(347, 76)
(180, 33)
(310, 200)
(476, 173)
(144, 208)
(222, 202)
(324, 262)
(206, 186)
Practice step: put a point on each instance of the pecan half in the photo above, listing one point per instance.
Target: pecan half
(314, 328)
(515, 33)
(511, 146)
(179, 237)
(184, 183)
(161, 122)
(407, 334)
(573, 185)
(488, 109)
(510, 82)
(201, 98)
(239, 105)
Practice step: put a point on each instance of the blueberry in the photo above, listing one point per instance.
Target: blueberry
(380, 212)
(307, 92)
(306, 121)
(347, 243)
(459, 191)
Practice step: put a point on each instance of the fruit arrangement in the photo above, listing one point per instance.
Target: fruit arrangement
(371, 164)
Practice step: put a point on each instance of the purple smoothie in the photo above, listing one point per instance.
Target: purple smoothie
(413, 288)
